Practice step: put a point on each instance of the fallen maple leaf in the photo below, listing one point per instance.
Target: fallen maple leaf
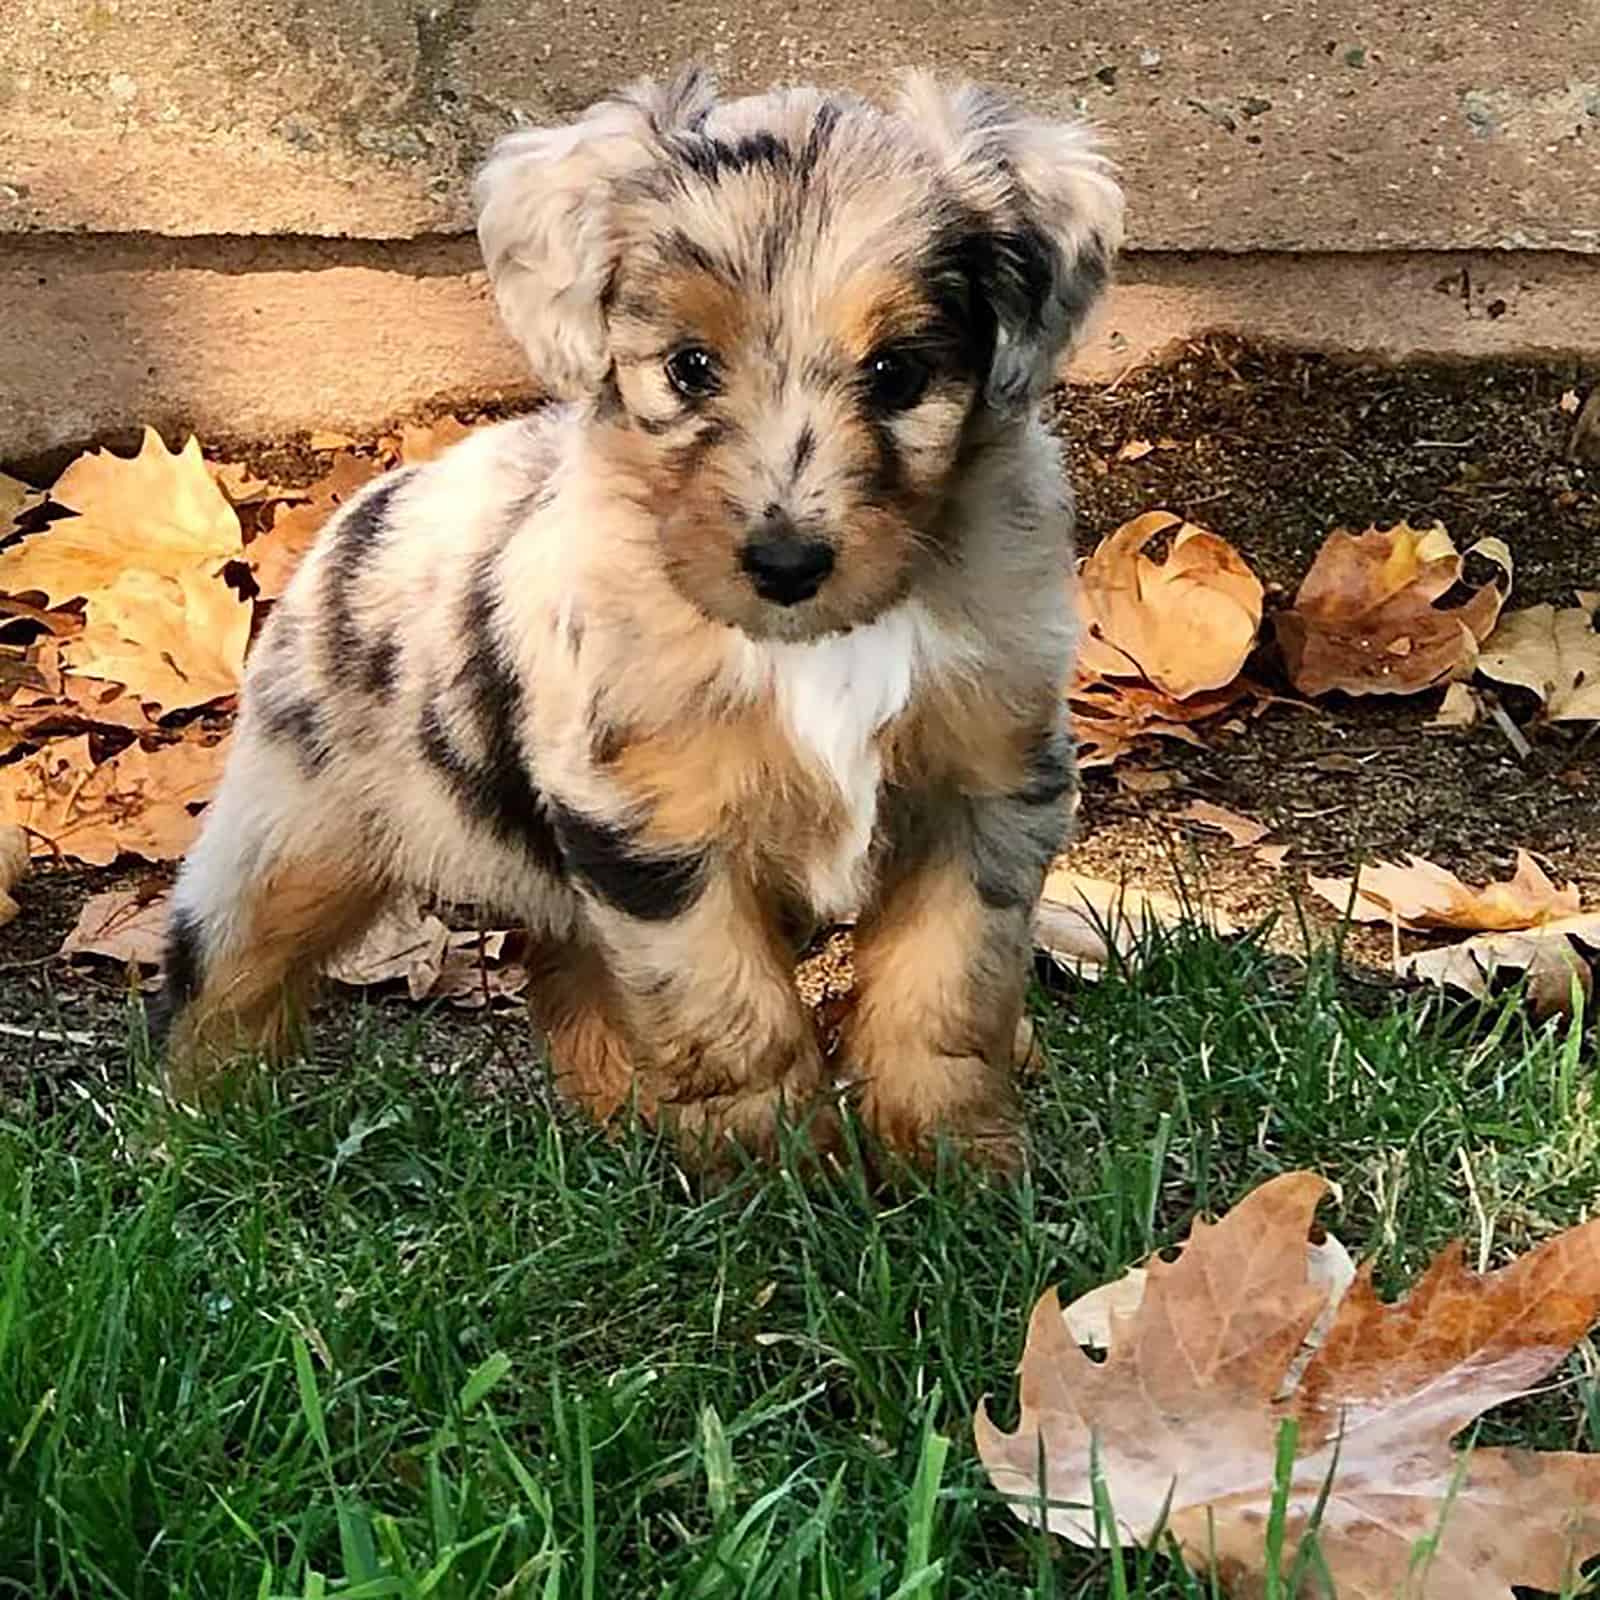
(1364, 620)
(1550, 957)
(120, 925)
(145, 553)
(275, 554)
(1423, 895)
(1184, 625)
(1242, 831)
(136, 803)
(1554, 653)
(1181, 1422)
(13, 866)
(1085, 924)
(1091, 1317)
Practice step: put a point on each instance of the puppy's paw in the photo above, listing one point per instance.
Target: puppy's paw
(721, 1134)
(962, 1100)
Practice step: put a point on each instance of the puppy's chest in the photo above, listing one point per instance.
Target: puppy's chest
(791, 782)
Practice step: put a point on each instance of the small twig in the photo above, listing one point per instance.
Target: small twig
(1443, 444)
(46, 1035)
(1497, 714)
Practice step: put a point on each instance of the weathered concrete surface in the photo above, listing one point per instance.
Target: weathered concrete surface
(1326, 125)
(242, 339)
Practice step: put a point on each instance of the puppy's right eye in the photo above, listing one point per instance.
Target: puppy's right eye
(693, 372)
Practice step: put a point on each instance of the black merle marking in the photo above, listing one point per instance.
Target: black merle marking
(818, 139)
(181, 974)
(296, 721)
(355, 536)
(382, 667)
(805, 447)
(1015, 837)
(1052, 772)
(677, 249)
(646, 885)
(496, 787)
(712, 159)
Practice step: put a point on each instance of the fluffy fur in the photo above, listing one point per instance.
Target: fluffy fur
(762, 624)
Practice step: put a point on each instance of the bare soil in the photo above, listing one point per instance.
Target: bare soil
(1272, 450)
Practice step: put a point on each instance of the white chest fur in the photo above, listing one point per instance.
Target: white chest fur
(835, 695)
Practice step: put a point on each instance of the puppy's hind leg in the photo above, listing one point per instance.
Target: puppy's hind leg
(276, 883)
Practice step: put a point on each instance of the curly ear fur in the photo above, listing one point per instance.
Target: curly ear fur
(546, 225)
(1050, 211)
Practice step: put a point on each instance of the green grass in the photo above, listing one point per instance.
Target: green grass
(372, 1333)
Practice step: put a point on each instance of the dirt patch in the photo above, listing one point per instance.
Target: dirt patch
(1272, 450)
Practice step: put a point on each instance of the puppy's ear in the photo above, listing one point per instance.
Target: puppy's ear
(1048, 215)
(546, 220)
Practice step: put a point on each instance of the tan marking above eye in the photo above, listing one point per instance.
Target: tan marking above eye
(696, 308)
(873, 310)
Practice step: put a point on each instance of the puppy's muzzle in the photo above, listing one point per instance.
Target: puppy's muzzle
(784, 565)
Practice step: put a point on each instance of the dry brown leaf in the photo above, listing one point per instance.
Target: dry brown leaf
(1554, 653)
(330, 439)
(1423, 895)
(1460, 707)
(1569, 402)
(120, 925)
(1092, 1317)
(1143, 780)
(1085, 923)
(1241, 830)
(275, 554)
(13, 867)
(16, 497)
(146, 553)
(1550, 957)
(1109, 719)
(243, 488)
(1273, 855)
(405, 943)
(475, 972)
(136, 803)
(421, 442)
(1184, 625)
(1364, 620)
(1584, 445)
(1182, 1419)
(1135, 450)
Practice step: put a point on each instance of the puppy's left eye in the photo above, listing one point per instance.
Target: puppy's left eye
(693, 372)
(895, 380)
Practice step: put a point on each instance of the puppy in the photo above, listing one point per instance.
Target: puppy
(763, 624)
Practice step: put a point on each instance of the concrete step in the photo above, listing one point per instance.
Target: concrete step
(1329, 125)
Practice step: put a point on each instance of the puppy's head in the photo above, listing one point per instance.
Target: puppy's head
(794, 314)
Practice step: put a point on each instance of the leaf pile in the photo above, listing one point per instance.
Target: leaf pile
(129, 593)
(1163, 642)
(407, 944)
(1181, 1424)
(1526, 927)
(1366, 619)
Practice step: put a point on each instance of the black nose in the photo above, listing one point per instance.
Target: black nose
(784, 566)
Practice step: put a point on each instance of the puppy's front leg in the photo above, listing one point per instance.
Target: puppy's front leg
(942, 960)
(723, 1044)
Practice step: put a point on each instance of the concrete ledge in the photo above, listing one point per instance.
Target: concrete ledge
(241, 339)
(1241, 124)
